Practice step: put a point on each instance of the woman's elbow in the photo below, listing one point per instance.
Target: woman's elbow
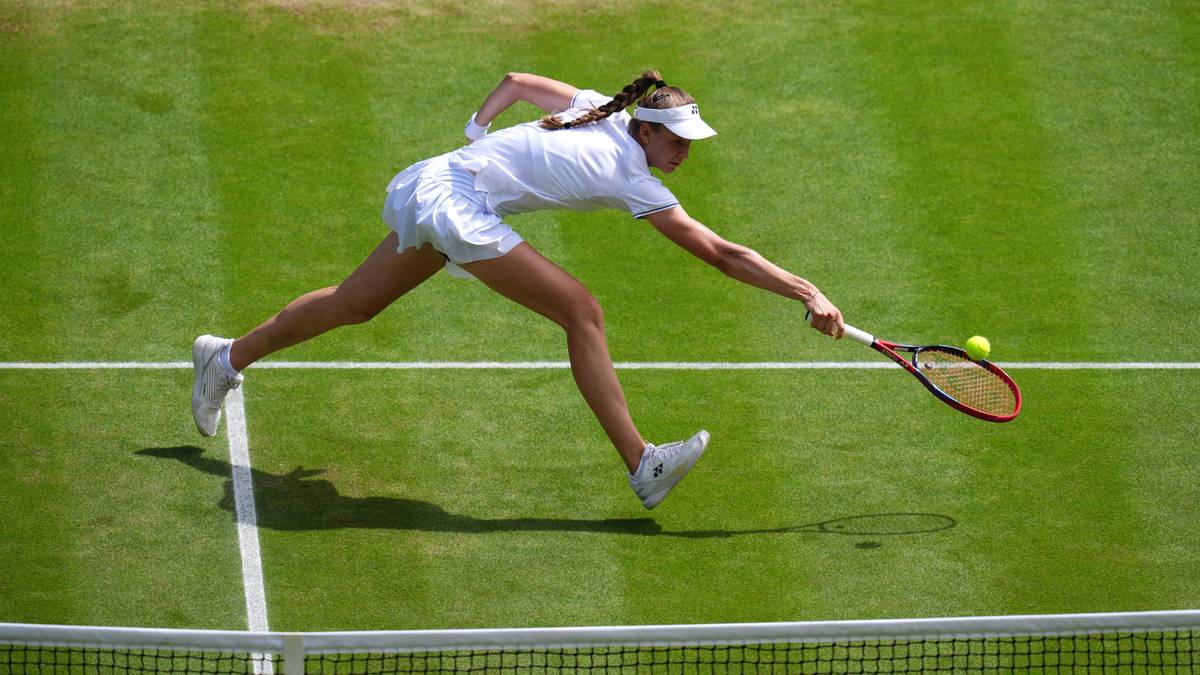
(515, 79)
(511, 82)
(725, 258)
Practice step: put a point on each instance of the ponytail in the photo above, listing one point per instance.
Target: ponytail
(626, 97)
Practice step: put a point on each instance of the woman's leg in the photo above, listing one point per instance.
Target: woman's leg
(382, 278)
(525, 276)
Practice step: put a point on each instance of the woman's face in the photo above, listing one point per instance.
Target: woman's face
(665, 151)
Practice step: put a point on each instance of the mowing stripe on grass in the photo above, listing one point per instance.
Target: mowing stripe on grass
(247, 518)
(563, 365)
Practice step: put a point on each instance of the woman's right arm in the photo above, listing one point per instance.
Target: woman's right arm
(547, 94)
(747, 266)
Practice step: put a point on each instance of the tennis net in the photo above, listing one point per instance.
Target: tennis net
(1139, 642)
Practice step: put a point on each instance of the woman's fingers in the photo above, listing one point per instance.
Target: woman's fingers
(826, 317)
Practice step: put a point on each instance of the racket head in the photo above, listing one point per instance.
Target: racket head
(979, 388)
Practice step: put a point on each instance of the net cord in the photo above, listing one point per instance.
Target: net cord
(418, 641)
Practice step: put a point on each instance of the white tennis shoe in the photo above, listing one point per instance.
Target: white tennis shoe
(665, 465)
(212, 383)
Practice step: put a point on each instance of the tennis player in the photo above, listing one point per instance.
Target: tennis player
(449, 212)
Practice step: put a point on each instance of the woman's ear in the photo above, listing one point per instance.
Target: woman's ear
(643, 133)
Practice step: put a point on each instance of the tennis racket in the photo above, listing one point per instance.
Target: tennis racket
(978, 388)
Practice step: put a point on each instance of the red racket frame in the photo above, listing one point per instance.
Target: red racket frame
(888, 349)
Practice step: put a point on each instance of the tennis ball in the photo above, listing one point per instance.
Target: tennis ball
(978, 347)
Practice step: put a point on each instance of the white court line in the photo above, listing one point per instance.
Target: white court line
(563, 365)
(247, 521)
(96, 365)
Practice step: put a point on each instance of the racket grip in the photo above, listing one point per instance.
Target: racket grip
(860, 336)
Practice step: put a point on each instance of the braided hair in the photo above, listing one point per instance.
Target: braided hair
(634, 92)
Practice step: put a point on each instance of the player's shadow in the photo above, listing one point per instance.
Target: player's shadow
(300, 501)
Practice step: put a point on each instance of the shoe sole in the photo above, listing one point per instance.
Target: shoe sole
(657, 498)
(198, 383)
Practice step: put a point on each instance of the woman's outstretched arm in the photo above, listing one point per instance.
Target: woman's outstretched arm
(747, 266)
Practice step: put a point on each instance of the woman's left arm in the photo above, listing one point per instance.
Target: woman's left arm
(548, 94)
(747, 266)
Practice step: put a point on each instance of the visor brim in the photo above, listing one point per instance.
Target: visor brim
(692, 129)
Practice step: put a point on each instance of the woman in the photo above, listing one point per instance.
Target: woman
(447, 212)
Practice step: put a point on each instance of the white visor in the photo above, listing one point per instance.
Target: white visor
(682, 120)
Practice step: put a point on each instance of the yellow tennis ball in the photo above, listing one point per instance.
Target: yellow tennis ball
(978, 347)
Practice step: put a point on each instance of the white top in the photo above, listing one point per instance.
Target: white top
(595, 166)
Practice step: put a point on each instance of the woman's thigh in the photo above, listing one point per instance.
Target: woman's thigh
(527, 277)
(386, 275)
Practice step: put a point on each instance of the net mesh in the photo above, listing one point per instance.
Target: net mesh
(20, 659)
(1173, 652)
(966, 381)
(1151, 642)
(1161, 652)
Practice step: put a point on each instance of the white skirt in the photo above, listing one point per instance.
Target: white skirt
(432, 202)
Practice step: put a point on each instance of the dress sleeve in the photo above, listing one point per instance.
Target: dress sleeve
(587, 99)
(648, 195)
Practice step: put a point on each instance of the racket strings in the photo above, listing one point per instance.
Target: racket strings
(967, 382)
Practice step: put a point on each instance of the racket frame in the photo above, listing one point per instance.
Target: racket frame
(890, 349)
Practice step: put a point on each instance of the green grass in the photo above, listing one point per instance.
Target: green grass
(1025, 171)
(555, 538)
(95, 531)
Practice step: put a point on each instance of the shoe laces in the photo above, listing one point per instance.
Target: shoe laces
(667, 451)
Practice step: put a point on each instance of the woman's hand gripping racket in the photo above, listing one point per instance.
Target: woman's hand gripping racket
(979, 388)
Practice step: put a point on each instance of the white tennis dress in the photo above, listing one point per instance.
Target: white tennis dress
(456, 201)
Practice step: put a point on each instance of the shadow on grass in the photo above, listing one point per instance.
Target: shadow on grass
(297, 501)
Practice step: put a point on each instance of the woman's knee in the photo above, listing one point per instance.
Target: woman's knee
(583, 312)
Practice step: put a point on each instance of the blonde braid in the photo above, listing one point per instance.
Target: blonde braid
(625, 98)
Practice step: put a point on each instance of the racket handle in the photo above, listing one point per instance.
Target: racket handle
(860, 336)
(851, 332)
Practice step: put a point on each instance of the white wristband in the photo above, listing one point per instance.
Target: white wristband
(475, 132)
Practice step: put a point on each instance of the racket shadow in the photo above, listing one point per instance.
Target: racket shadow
(300, 500)
(866, 525)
